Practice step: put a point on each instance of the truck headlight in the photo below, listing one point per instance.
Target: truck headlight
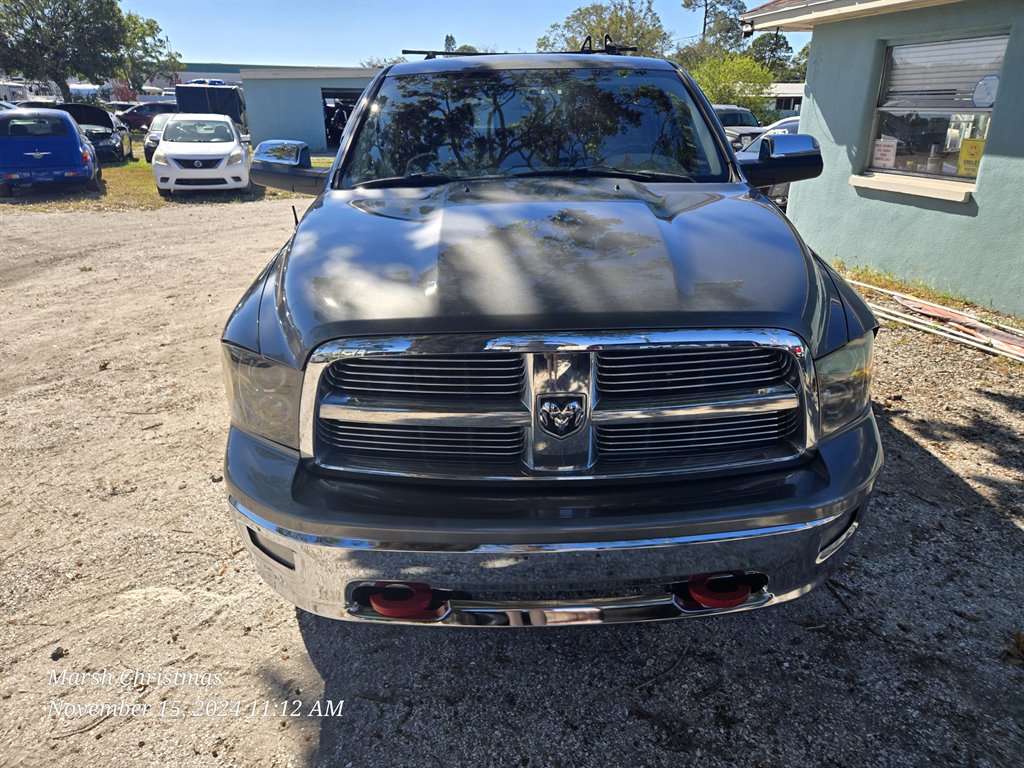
(236, 156)
(159, 157)
(263, 395)
(844, 383)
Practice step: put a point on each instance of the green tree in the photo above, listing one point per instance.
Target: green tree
(798, 68)
(60, 39)
(449, 43)
(146, 54)
(720, 23)
(735, 80)
(772, 51)
(379, 62)
(629, 22)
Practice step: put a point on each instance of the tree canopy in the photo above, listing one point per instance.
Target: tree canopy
(772, 51)
(629, 22)
(61, 39)
(735, 80)
(146, 54)
(87, 39)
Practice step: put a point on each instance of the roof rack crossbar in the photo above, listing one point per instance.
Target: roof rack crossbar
(610, 47)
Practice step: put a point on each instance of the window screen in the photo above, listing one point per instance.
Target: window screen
(935, 106)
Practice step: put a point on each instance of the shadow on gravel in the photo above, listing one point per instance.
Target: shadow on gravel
(53, 193)
(896, 661)
(216, 196)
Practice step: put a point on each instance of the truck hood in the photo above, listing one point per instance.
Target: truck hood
(538, 255)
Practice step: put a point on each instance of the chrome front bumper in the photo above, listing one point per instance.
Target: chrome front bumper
(571, 583)
(625, 553)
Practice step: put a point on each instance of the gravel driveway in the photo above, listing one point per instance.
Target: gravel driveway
(116, 558)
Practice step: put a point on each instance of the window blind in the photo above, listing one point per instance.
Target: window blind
(942, 75)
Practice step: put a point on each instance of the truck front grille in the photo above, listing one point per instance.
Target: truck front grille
(666, 374)
(625, 442)
(413, 443)
(565, 406)
(430, 377)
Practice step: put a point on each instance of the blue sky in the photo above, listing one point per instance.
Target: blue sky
(343, 32)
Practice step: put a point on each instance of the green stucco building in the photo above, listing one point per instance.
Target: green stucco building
(918, 106)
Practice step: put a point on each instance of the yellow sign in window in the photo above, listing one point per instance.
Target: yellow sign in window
(970, 156)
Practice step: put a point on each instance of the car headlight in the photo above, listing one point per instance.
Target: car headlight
(159, 157)
(844, 383)
(236, 156)
(263, 395)
(115, 140)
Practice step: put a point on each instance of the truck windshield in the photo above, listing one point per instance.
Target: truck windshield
(430, 128)
(738, 118)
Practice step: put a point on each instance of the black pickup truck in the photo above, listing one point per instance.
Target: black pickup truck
(540, 353)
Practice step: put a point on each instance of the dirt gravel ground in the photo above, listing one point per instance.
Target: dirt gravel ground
(116, 558)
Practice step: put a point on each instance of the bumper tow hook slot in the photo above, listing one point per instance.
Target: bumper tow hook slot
(402, 601)
(719, 591)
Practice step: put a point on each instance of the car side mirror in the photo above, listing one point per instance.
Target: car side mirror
(784, 157)
(287, 165)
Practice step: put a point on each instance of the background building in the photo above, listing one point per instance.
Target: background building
(289, 102)
(918, 107)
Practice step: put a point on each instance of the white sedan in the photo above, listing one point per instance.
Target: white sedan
(201, 152)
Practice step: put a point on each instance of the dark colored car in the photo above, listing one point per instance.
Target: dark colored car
(156, 130)
(541, 353)
(37, 104)
(741, 126)
(106, 132)
(44, 146)
(140, 117)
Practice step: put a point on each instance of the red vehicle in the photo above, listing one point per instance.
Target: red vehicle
(140, 116)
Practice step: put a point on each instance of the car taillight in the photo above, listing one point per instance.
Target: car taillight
(85, 156)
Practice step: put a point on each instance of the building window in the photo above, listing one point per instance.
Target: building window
(935, 107)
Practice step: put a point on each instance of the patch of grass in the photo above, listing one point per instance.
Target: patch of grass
(125, 187)
(920, 290)
(891, 282)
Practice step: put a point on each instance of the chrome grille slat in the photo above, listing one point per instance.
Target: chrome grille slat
(689, 370)
(681, 359)
(654, 387)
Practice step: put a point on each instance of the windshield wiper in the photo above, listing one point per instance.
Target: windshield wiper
(607, 171)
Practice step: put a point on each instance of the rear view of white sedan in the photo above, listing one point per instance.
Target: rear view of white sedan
(201, 152)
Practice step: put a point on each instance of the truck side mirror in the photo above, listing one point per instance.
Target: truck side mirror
(284, 164)
(784, 157)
